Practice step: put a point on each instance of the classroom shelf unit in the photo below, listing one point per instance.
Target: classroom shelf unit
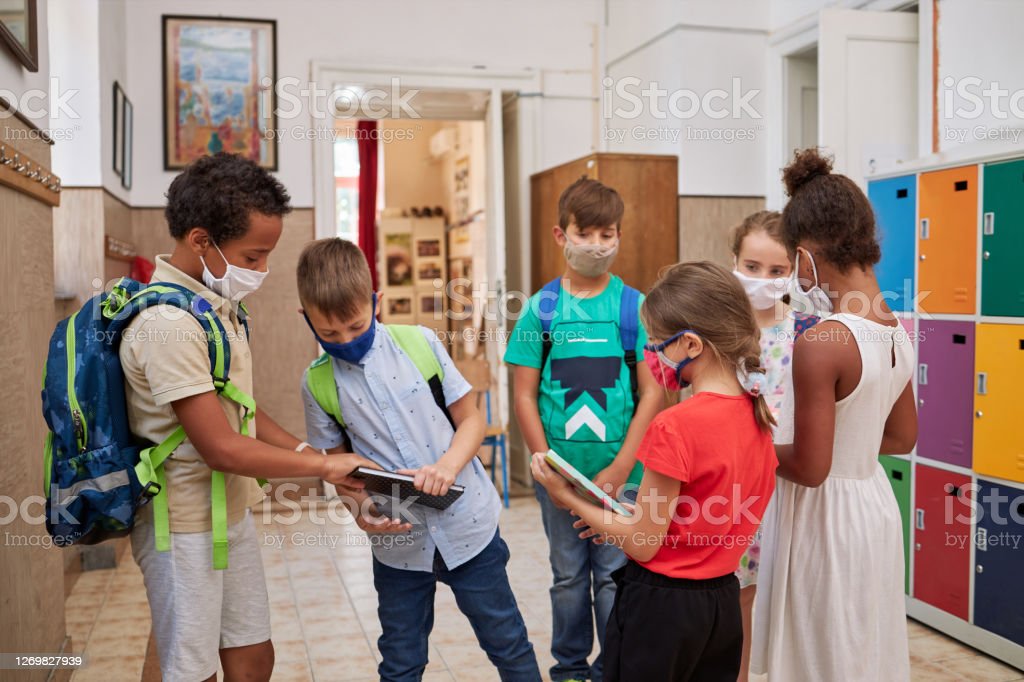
(952, 236)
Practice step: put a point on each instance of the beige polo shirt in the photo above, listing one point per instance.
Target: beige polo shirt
(165, 358)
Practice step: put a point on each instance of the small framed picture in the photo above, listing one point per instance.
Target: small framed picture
(428, 271)
(428, 247)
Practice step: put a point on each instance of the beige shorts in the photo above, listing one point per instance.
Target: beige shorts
(197, 610)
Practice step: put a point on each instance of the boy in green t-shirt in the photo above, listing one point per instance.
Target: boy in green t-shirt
(586, 393)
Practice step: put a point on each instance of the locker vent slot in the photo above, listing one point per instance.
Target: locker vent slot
(960, 339)
(898, 475)
(960, 186)
(901, 194)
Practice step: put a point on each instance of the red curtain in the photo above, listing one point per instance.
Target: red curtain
(366, 138)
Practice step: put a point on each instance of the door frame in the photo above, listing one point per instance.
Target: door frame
(434, 78)
(495, 82)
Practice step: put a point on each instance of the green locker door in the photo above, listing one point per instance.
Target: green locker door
(898, 471)
(1002, 240)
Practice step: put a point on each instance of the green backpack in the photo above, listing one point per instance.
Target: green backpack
(410, 338)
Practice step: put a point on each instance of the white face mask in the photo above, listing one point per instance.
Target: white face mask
(763, 293)
(236, 283)
(813, 301)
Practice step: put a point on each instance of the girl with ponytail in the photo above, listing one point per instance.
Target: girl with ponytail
(830, 602)
(709, 470)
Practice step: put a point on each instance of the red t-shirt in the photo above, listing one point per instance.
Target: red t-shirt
(726, 465)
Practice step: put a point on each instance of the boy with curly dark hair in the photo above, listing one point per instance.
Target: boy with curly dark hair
(225, 213)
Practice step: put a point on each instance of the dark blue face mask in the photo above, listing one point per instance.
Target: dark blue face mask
(353, 351)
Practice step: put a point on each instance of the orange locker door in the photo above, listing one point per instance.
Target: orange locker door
(999, 366)
(947, 240)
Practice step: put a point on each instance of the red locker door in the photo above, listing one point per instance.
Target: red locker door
(942, 531)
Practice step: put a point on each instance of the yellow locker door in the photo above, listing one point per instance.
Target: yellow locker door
(999, 366)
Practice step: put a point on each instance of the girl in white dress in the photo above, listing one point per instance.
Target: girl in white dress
(830, 605)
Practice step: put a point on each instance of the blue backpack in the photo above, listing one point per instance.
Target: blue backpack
(629, 327)
(97, 474)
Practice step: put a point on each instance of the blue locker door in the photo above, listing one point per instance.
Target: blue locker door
(895, 204)
(999, 561)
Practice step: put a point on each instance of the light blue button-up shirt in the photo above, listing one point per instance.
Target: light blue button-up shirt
(392, 419)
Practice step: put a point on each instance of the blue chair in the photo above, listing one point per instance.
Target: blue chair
(495, 437)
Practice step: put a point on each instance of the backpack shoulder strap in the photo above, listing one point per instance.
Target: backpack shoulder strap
(546, 306)
(410, 339)
(320, 381)
(166, 293)
(413, 343)
(629, 331)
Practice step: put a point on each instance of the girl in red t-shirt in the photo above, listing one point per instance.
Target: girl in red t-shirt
(709, 470)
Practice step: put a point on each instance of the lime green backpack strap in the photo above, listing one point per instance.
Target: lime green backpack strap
(150, 471)
(411, 340)
(320, 381)
(413, 343)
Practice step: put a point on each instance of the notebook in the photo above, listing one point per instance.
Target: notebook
(585, 488)
(390, 484)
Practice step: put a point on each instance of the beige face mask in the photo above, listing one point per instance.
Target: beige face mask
(590, 260)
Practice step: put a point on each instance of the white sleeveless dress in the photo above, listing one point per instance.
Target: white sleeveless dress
(830, 604)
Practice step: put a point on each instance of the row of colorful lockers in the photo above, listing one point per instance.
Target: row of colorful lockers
(932, 219)
(961, 494)
(948, 517)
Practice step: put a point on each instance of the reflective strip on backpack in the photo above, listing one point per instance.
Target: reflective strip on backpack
(62, 497)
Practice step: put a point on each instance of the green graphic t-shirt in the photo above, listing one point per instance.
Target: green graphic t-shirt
(585, 401)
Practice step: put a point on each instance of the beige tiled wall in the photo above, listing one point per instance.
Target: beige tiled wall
(31, 577)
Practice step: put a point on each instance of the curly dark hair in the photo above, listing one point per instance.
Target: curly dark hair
(830, 210)
(218, 193)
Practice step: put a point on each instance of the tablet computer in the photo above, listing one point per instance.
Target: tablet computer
(585, 488)
(390, 484)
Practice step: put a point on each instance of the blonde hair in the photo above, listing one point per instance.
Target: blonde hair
(333, 278)
(768, 221)
(708, 299)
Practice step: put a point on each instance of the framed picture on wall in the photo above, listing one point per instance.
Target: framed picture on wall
(398, 258)
(18, 31)
(127, 124)
(118, 155)
(219, 88)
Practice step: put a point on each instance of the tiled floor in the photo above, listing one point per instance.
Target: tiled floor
(325, 621)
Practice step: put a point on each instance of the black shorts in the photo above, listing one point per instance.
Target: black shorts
(664, 629)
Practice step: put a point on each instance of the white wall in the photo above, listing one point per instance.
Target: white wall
(980, 48)
(693, 48)
(535, 34)
(16, 81)
(113, 66)
(87, 54)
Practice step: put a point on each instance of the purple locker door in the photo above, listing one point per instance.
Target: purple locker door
(945, 391)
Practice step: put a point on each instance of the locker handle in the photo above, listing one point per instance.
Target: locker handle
(922, 374)
(988, 223)
(982, 383)
(981, 539)
(919, 519)
(924, 228)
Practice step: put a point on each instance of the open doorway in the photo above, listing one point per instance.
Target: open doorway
(849, 84)
(440, 236)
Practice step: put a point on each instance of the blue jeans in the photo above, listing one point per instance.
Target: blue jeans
(578, 565)
(405, 605)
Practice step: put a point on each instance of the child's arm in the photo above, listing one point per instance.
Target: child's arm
(901, 427)
(270, 432)
(226, 450)
(437, 478)
(819, 357)
(641, 535)
(651, 401)
(526, 382)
